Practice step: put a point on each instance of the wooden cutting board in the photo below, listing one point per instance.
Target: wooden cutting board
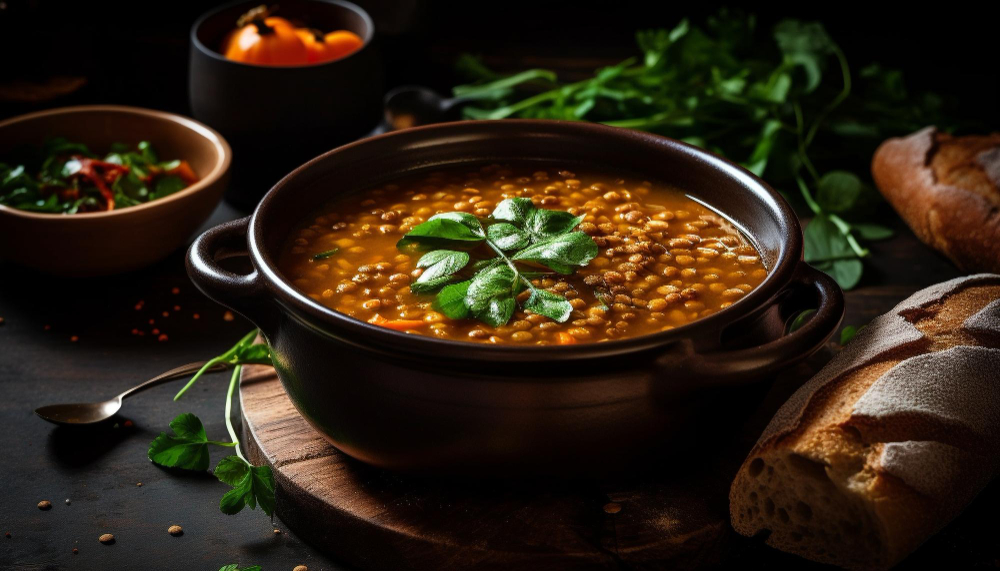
(674, 517)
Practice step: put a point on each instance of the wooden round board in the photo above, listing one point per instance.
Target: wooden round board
(375, 519)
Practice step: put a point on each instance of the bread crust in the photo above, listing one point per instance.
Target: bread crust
(947, 189)
(890, 440)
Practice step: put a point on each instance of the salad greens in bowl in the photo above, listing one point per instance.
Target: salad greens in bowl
(98, 190)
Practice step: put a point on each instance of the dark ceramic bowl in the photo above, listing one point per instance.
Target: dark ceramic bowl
(423, 404)
(276, 118)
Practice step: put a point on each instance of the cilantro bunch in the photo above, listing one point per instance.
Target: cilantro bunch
(187, 447)
(522, 242)
(788, 109)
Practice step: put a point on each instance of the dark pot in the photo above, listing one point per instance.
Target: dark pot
(418, 403)
(276, 118)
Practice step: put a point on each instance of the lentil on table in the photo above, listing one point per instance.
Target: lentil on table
(665, 260)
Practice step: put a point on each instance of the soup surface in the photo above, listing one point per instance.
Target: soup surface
(663, 260)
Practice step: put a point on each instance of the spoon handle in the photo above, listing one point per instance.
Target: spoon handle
(171, 375)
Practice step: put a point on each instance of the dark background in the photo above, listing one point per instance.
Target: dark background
(132, 54)
(136, 53)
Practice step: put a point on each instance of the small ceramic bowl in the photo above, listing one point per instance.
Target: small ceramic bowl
(101, 243)
(277, 117)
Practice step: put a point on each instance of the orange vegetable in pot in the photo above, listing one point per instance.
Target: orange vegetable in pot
(266, 40)
(341, 43)
(329, 47)
(313, 40)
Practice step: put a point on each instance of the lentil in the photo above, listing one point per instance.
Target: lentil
(664, 260)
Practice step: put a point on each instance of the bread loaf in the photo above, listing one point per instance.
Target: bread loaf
(947, 189)
(890, 440)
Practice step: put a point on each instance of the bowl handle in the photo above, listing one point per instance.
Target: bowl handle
(812, 289)
(243, 293)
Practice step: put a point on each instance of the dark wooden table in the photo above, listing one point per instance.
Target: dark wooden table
(71, 340)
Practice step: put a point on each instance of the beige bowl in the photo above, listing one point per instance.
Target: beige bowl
(100, 243)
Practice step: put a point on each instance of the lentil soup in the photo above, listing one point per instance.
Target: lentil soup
(664, 260)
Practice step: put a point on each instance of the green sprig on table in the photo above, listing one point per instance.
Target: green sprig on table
(775, 108)
(525, 242)
(187, 448)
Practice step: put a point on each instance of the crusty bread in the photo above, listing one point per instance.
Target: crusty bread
(948, 190)
(890, 440)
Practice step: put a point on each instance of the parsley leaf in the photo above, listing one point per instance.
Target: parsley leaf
(236, 567)
(187, 448)
(252, 486)
(515, 233)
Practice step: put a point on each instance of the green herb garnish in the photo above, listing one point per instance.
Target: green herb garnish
(236, 567)
(775, 107)
(518, 240)
(849, 333)
(188, 448)
(325, 255)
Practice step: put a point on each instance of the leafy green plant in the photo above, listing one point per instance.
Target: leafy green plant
(69, 178)
(522, 243)
(187, 448)
(776, 108)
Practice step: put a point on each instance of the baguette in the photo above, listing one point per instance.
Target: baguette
(889, 441)
(947, 189)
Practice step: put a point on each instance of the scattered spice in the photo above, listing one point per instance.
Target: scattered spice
(612, 508)
(139, 305)
(152, 321)
(128, 424)
(44, 505)
(277, 531)
(2, 321)
(68, 502)
(47, 327)
(162, 337)
(75, 551)
(106, 539)
(74, 338)
(228, 316)
(139, 485)
(166, 314)
(135, 331)
(8, 535)
(175, 291)
(196, 316)
(177, 308)
(155, 331)
(175, 530)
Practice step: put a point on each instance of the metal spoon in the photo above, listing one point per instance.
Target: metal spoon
(413, 105)
(94, 412)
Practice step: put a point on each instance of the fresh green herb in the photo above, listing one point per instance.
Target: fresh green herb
(776, 108)
(188, 447)
(245, 352)
(236, 567)
(70, 179)
(325, 255)
(514, 236)
(800, 319)
(849, 333)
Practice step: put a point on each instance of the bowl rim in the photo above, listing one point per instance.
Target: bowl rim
(223, 157)
(216, 55)
(290, 299)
